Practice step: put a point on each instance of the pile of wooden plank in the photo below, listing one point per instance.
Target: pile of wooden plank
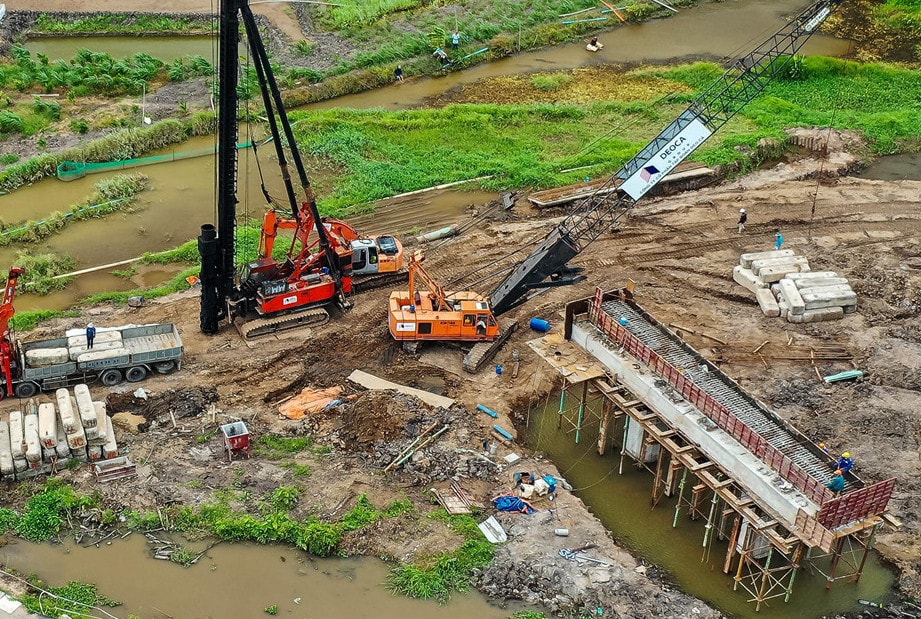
(784, 286)
(49, 435)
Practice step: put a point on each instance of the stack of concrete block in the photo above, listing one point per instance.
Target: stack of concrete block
(784, 286)
(50, 434)
(86, 411)
(815, 297)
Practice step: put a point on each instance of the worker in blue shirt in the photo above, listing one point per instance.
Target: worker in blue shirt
(836, 484)
(778, 240)
(845, 463)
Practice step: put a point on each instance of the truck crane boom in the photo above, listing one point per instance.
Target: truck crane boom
(743, 81)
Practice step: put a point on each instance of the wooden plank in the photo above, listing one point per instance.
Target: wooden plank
(369, 381)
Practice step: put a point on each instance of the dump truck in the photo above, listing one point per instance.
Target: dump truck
(118, 354)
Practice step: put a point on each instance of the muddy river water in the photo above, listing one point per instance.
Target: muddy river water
(234, 581)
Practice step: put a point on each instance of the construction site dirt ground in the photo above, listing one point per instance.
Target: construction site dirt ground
(679, 250)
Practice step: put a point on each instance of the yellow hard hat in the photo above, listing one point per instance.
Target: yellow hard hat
(846, 454)
(838, 472)
(822, 445)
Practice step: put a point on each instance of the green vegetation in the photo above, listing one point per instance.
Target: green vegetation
(182, 556)
(114, 23)
(112, 194)
(275, 447)
(276, 526)
(41, 271)
(8, 158)
(271, 610)
(298, 469)
(45, 511)
(87, 73)
(74, 599)
(284, 498)
(442, 575)
(551, 81)
(528, 614)
(26, 321)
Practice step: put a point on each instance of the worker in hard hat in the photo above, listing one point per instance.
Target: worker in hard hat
(836, 484)
(743, 217)
(845, 463)
(825, 448)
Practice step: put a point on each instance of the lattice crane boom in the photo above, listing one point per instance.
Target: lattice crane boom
(714, 107)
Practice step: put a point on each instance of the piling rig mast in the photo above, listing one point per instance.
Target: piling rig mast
(742, 82)
(329, 268)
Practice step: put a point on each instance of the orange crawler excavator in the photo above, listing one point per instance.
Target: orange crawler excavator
(429, 313)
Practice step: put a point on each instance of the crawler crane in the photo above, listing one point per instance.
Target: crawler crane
(548, 265)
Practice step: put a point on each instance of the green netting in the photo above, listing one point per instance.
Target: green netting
(70, 170)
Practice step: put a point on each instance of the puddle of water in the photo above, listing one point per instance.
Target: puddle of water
(894, 168)
(234, 581)
(166, 49)
(623, 503)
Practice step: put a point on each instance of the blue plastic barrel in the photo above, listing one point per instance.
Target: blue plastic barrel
(540, 325)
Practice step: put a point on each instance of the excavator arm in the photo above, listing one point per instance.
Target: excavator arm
(745, 80)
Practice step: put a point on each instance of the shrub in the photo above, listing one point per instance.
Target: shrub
(551, 81)
(10, 122)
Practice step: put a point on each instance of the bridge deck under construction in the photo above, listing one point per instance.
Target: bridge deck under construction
(680, 415)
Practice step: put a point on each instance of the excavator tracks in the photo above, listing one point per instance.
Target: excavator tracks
(373, 282)
(483, 352)
(261, 327)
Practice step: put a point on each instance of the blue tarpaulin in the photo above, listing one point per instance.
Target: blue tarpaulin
(511, 503)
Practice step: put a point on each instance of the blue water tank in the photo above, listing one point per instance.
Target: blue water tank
(540, 325)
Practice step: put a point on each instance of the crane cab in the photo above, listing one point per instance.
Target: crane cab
(467, 317)
(381, 254)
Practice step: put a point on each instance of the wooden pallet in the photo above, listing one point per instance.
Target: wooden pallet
(455, 502)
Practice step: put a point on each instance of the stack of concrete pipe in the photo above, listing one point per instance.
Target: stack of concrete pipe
(49, 435)
(784, 286)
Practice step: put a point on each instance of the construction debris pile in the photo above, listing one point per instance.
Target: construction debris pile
(52, 434)
(784, 286)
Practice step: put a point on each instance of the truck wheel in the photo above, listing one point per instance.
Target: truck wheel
(26, 390)
(110, 378)
(136, 374)
(165, 367)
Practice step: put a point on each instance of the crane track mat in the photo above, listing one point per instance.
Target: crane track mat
(260, 327)
(483, 352)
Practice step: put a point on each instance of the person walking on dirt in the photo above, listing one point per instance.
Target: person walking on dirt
(398, 73)
(455, 40)
(836, 484)
(743, 217)
(90, 335)
(778, 240)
